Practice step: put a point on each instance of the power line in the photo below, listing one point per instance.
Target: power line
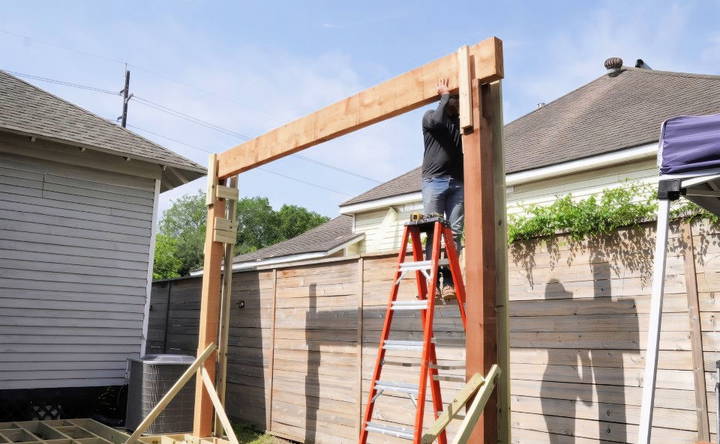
(114, 60)
(264, 169)
(232, 133)
(181, 115)
(62, 82)
(163, 108)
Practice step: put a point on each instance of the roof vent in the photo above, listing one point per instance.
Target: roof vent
(614, 66)
(614, 63)
(540, 105)
(640, 63)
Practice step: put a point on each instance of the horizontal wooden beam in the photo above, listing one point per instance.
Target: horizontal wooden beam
(399, 95)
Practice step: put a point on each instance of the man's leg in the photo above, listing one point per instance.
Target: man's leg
(455, 211)
(433, 194)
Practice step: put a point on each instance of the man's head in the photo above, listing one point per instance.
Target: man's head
(453, 106)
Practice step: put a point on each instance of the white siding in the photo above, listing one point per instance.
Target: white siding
(73, 272)
(383, 228)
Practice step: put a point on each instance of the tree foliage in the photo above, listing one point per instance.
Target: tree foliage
(179, 247)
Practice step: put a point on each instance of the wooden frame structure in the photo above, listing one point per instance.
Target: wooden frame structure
(475, 71)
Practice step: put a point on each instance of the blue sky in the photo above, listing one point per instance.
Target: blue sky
(251, 66)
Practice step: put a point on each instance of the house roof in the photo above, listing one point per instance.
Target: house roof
(610, 113)
(28, 110)
(321, 239)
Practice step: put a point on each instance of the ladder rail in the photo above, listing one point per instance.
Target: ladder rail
(454, 263)
(422, 286)
(428, 348)
(384, 336)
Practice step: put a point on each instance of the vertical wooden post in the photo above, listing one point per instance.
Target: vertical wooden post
(269, 407)
(698, 361)
(485, 257)
(361, 289)
(209, 304)
(225, 304)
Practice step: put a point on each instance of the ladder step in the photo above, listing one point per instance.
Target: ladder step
(410, 389)
(449, 378)
(420, 265)
(421, 304)
(448, 367)
(403, 345)
(398, 432)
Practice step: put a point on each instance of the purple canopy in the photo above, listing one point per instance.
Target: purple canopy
(689, 143)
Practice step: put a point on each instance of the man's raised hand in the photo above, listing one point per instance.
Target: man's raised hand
(442, 87)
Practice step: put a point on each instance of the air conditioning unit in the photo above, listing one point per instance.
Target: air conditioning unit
(150, 377)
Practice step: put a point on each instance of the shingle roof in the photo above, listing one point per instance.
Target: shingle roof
(320, 239)
(28, 110)
(608, 114)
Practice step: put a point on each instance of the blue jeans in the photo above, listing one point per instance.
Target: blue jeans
(444, 196)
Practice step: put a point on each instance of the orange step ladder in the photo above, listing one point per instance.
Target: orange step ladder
(426, 276)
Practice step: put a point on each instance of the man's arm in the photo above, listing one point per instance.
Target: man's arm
(435, 119)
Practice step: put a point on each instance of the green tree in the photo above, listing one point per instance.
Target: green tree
(184, 222)
(180, 240)
(257, 225)
(167, 264)
(294, 220)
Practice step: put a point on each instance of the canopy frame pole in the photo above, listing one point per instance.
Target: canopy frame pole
(655, 319)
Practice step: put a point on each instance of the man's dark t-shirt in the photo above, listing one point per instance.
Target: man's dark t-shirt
(443, 149)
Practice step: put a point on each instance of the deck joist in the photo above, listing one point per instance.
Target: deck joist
(84, 431)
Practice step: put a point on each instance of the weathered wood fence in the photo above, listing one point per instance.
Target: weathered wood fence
(303, 340)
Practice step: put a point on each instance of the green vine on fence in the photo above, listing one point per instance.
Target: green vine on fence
(614, 208)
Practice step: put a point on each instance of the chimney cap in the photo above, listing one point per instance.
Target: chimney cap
(613, 63)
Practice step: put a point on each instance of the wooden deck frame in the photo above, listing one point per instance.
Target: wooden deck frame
(470, 71)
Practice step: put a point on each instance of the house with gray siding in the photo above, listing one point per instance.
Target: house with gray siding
(78, 203)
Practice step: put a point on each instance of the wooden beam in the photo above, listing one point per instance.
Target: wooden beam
(465, 89)
(209, 306)
(219, 409)
(401, 94)
(698, 360)
(453, 408)
(483, 210)
(230, 196)
(477, 407)
(174, 390)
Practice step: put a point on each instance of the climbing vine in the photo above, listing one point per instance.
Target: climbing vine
(598, 214)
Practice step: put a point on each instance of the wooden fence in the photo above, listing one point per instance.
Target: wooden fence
(303, 340)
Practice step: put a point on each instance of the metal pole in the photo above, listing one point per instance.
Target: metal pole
(126, 99)
(653, 341)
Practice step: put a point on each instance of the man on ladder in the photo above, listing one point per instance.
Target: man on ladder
(442, 173)
(442, 194)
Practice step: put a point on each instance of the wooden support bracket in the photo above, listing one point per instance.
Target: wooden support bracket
(212, 179)
(476, 408)
(174, 390)
(453, 408)
(227, 193)
(225, 231)
(219, 410)
(465, 89)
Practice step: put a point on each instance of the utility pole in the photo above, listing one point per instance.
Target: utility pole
(126, 98)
